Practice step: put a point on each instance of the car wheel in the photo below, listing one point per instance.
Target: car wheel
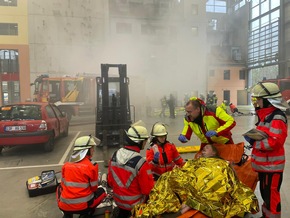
(49, 145)
(65, 133)
(1, 148)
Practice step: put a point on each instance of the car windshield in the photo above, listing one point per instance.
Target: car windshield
(20, 112)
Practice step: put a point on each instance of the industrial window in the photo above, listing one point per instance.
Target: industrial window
(9, 62)
(263, 41)
(242, 74)
(239, 5)
(194, 30)
(194, 9)
(213, 24)
(10, 29)
(148, 29)
(123, 28)
(216, 6)
(236, 54)
(8, 3)
(227, 74)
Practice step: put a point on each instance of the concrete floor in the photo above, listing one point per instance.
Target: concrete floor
(20, 163)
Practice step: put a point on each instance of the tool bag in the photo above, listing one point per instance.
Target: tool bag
(46, 183)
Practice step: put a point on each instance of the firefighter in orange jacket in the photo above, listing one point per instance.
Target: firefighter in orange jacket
(129, 175)
(268, 154)
(234, 109)
(78, 192)
(210, 127)
(162, 156)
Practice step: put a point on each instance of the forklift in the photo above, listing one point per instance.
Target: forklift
(113, 114)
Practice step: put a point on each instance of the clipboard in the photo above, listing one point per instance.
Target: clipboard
(256, 134)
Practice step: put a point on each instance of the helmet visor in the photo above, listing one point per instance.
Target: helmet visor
(279, 103)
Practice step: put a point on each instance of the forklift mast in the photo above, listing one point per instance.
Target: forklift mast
(113, 113)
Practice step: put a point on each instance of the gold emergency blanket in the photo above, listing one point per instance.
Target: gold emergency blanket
(205, 184)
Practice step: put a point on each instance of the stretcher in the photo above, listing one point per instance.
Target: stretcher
(236, 159)
(188, 149)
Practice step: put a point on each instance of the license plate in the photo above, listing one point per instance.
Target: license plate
(15, 128)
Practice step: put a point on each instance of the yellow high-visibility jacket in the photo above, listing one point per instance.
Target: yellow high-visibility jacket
(219, 121)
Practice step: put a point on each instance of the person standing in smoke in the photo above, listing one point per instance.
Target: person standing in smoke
(223, 105)
(201, 96)
(186, 98)
(211, 101)
(171, 105)
(163, 106)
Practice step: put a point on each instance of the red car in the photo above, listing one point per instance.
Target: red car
(31, 123)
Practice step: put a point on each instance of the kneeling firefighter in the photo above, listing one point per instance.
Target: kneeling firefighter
(129, 174)
(78, 192)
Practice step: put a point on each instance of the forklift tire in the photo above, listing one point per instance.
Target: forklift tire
(49, 145)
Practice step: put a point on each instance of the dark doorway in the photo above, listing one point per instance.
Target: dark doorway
(227, 95)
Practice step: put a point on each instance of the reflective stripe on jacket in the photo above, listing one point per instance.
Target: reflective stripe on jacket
(79, 182)
(169, 157)
(130, 178)
(220, 121)
(268, 155)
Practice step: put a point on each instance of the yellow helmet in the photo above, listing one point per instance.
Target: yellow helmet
(266, 90)
(81, 147)
(198, 99)
(85, 142)
(159, 129)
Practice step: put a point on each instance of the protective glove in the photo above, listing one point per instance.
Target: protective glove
(182, 138)
(210, 133)
(156, 157)
(248, 139)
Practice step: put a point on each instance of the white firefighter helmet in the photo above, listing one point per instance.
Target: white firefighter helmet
(159, 129)
(137, 132)
(81, 147)
(266, 90)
